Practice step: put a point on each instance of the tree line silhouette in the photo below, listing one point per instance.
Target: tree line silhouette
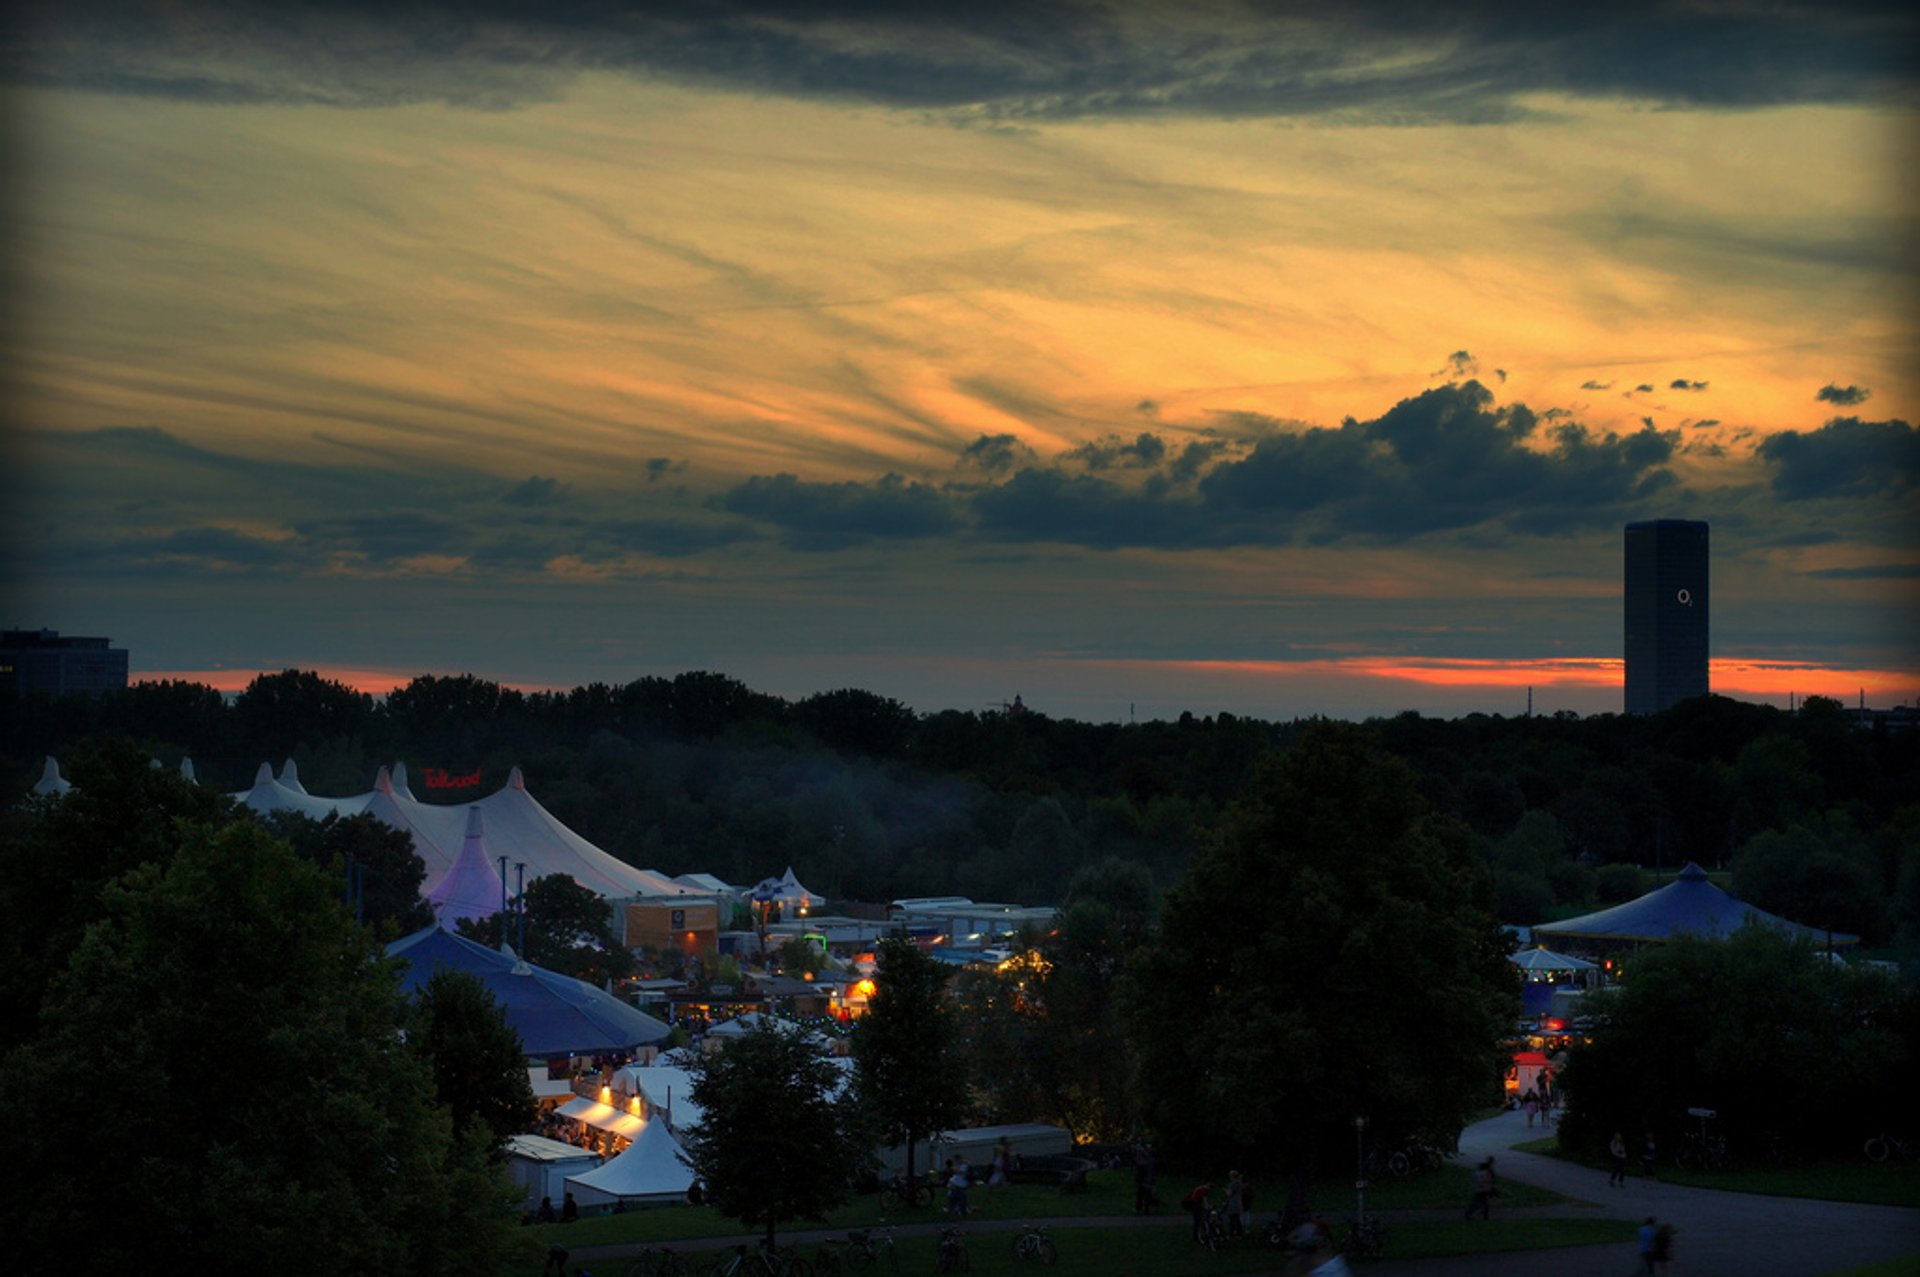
(868, 799)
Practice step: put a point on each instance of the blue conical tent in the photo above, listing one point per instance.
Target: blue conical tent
(554, 1014)
(1689, 905)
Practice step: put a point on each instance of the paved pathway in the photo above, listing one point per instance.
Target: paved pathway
(1735, 1234)
(1720, 1234)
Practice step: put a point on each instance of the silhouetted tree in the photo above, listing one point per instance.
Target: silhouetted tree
(389, 869)
(58, 856)
(280, 711)
(1331, 904)
(478, 1065)
(569, 930)
(1759, 1027)
(279, 1113)
(774, 1144)
(910, 1077)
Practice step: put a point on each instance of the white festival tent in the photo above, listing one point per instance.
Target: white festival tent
(471, 889)
(665, 1089)
(649, 1170)
(51, 781)
(740, 1025)
(517, 827)
(786, 892)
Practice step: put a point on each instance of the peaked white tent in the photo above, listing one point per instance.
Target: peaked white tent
(269, 795)
(471, 888)
(51, 781)
(786, 892)
(649, 1170)
(665, 1090)
(517, 826)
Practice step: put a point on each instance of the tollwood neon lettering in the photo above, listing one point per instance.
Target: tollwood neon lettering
(440, 778)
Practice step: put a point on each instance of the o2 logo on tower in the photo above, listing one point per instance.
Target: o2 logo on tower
(1684, 598)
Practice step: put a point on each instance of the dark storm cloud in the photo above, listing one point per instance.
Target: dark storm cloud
(671, 538)
(382, 538)
(1000, 61)
(535, 491)
(658, 468)
(1443, 460)
(1844, 396)
(1075, 509)
(994, 454)
(1143, 451)
(1847, 457)
(831, 516)
(314, 518)
(1596, 385)
(188, 551)
(1194, 458)
(1681, 383)
(1447, 460)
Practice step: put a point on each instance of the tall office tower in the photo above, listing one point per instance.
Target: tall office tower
(1666, 595)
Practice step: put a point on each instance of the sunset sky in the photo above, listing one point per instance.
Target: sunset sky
(1135, 358)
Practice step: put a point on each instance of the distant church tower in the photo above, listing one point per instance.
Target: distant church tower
(1666, 597)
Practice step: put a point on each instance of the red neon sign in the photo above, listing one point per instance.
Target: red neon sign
(439, 778)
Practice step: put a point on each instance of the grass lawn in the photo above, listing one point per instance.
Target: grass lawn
(1169, 1252)
(1838, 1179)
(1905, 1266)
(1110, 1251)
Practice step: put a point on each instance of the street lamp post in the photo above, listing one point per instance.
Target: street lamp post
(1359, 1167)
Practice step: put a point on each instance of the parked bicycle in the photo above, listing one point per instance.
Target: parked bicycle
(1701, 1152)
(1886, 1144)
(660, 1262)
(1032, 1245)
(1364, 1238)
(765, 1261)
(1213, 1230)
(951, 1254)
(869, 1246)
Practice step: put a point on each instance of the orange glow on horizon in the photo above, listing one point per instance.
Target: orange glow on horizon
(374, 682)
(1727, 676)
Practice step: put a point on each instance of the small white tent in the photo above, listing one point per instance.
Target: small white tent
(650, 1170)
(786, 892)
(51, 781)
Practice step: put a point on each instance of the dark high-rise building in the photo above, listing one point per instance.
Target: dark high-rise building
(45, 661)
(1666, 595)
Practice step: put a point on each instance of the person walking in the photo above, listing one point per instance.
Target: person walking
(1144, 1170)
(1485, 1189)
(1236, 1202)
(1531, 1103)
(1644, 1241)
(957, 1185)
(1617, 1151)
(1196, 1203)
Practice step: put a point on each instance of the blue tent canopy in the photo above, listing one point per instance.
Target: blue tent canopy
(554, 1014)
(1689, 905)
